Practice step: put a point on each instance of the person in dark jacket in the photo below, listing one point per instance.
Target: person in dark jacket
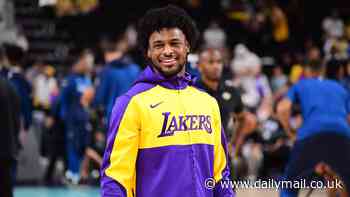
(9, 127)
(13, 56)
(117, 75)
(236, 121)
(77, 92)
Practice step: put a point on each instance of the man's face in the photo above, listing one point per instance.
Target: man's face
(168, 51)
(211, 64)
(307, 72)
(85, 63)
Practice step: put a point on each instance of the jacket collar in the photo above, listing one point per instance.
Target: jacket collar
(175, 82)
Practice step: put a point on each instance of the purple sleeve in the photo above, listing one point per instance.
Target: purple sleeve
(111, 188)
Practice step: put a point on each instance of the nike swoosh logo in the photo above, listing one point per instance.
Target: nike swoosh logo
(155, 105)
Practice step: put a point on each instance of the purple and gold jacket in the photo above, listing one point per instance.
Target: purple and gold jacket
(165, 140)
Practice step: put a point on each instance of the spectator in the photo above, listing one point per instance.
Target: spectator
(247, 67)
(278, 79)
(229, 99)
(214, 36)
(7, 22)
(235, 120)
(280, 25)
(275, 147)
(313, 54)
(117, 75)
(53, 144)
(76, 95)
(45, 88)
(9, 141)
(45, 93)
(14, 56)
(333, 25)
(211, 66)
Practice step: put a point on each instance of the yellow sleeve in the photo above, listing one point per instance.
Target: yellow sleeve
(121, 162)
(221, 164)
(220, 160)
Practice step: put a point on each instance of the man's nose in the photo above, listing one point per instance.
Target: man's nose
(168, 50)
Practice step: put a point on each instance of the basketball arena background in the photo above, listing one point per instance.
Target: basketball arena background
(282, 34)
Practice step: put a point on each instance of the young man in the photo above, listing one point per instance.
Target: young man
(76, 95)
(165, 136)
(325, 133)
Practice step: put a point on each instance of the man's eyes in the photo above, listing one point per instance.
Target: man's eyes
(157, 46)
(174, 44)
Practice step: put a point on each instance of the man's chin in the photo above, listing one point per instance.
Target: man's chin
(170, 72)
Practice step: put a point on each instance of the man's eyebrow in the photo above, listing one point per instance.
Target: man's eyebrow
(175, 39)
(157, 42)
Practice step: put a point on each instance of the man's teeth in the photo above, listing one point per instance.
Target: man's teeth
(169, 60)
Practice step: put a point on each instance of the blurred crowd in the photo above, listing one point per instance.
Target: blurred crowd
(68, 106)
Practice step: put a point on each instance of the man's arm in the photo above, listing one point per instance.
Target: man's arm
(245, 124)
(92, 154)
(284, 109)
(118, 167)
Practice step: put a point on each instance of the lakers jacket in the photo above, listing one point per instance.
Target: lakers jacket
(165, 140)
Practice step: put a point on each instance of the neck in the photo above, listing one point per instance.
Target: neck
(316, 74)
(212, 84)
(78, 72)
(113, 56)
(182, 72)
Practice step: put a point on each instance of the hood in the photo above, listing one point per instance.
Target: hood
(175, 82)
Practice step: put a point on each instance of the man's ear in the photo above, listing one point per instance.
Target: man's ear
(187, 47)
(148, 53)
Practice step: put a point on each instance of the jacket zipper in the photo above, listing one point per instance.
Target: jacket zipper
(183, 110)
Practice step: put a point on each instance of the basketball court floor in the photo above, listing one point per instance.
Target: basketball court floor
(94, 192)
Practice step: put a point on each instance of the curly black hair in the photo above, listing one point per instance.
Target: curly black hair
(166, 17)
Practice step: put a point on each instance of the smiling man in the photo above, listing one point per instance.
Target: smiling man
(165, 136)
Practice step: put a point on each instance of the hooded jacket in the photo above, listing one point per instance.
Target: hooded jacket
(165, 140)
